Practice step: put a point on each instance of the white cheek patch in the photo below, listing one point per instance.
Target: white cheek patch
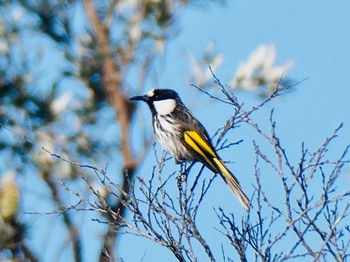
(164, 107)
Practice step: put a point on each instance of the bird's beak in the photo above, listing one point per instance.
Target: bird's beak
(142, 98)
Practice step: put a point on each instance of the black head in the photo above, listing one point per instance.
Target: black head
(160, 101)
(157, 95)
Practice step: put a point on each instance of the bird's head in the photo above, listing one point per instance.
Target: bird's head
(160, 101)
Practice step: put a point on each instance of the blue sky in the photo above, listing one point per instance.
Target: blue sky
(313, 34)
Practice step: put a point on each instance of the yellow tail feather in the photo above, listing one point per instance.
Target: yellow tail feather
(211, 160)
(233, 184)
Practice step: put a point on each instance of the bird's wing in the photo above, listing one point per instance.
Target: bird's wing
(196, 139)
(206, 154)
(201, 146)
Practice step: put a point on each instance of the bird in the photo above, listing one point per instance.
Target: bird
(184, 137)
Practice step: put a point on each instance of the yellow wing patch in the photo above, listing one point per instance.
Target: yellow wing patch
(197, 139)
(193, 139)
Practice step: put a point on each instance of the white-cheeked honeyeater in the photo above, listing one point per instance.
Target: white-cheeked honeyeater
(184, 137)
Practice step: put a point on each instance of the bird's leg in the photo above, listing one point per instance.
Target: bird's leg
(183, 168)
(183, 174)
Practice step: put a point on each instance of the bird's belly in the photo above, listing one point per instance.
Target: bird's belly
(170, 137)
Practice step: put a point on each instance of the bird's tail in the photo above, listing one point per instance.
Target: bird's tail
(233, 184)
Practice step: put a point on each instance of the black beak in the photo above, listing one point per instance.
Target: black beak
(142, 98)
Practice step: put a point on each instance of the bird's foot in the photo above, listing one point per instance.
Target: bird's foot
(182, 175)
